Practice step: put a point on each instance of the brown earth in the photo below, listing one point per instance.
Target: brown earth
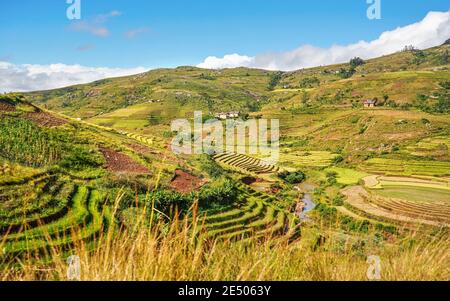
(6, 107)
(184, 182)
(120, 163)
(45, 119)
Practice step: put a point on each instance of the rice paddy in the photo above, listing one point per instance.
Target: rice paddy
(245, 164)
(407, 167)
(257, 216)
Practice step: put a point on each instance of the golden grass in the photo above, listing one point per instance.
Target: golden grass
(172, 252)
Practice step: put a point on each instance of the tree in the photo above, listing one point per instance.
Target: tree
(275, 78)
(309, 82)
(295, 177)
(344, 73)
(444, 57)
(356, 61)
(305, 98)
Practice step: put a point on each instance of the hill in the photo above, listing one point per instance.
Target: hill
(87, 170)
(396, 79)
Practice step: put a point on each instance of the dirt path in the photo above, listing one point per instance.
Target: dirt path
(357, 197)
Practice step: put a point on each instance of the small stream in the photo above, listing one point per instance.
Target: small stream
(308, 202)
(309, 206)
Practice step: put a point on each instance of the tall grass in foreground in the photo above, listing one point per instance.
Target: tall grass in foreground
(173, 253)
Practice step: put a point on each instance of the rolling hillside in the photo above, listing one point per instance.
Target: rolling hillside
(162, 94)
(90, 166)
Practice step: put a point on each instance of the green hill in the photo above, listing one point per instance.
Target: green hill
(403, 78)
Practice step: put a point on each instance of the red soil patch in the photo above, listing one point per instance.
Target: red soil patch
(185, 183)
(45, 119)
(6, 107)
(120, 163)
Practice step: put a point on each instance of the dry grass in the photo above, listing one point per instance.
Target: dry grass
(171, 252)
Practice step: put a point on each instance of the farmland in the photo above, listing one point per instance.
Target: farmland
(89, 170)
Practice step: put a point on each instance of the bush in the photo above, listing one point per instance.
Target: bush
(445, 85)
(338, 200)
(165, 200)
(344, 73)
(355, 62)
(275, 78)
(12, 98)
(309, 82)
(331, 178)
(210, 166)
(222, 192)
(338, 159)
(326, 212)
(292, 177)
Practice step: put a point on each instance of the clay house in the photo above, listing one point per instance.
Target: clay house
(370, 103)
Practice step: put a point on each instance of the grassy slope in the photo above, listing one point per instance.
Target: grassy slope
(396, 75)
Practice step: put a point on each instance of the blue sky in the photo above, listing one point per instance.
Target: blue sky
(180, 32)
(40, 48)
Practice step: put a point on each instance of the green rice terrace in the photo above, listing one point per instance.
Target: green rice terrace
(82, 165)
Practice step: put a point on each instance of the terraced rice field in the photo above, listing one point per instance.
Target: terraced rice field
(245, 164)
(256, 216)
(406, 168)
(299, 159)
(49, 211)
(410, 213)
(347, 176)
(430, 147)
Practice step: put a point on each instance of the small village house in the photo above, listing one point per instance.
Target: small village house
(227, 115)
(370, 103)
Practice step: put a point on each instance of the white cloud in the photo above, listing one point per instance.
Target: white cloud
(23, 78)
(228, 61)
(433, 30)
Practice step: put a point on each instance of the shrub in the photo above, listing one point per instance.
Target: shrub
(210, 166)
(309, 82)
(223, 191)
(326, 212)
(445, 84)
(357, 61)
(346, 73)
(165, 200)
(338, 200)
(12, 98)
(292, 177)
(338, 159)
(331, 178)
(275, 78)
